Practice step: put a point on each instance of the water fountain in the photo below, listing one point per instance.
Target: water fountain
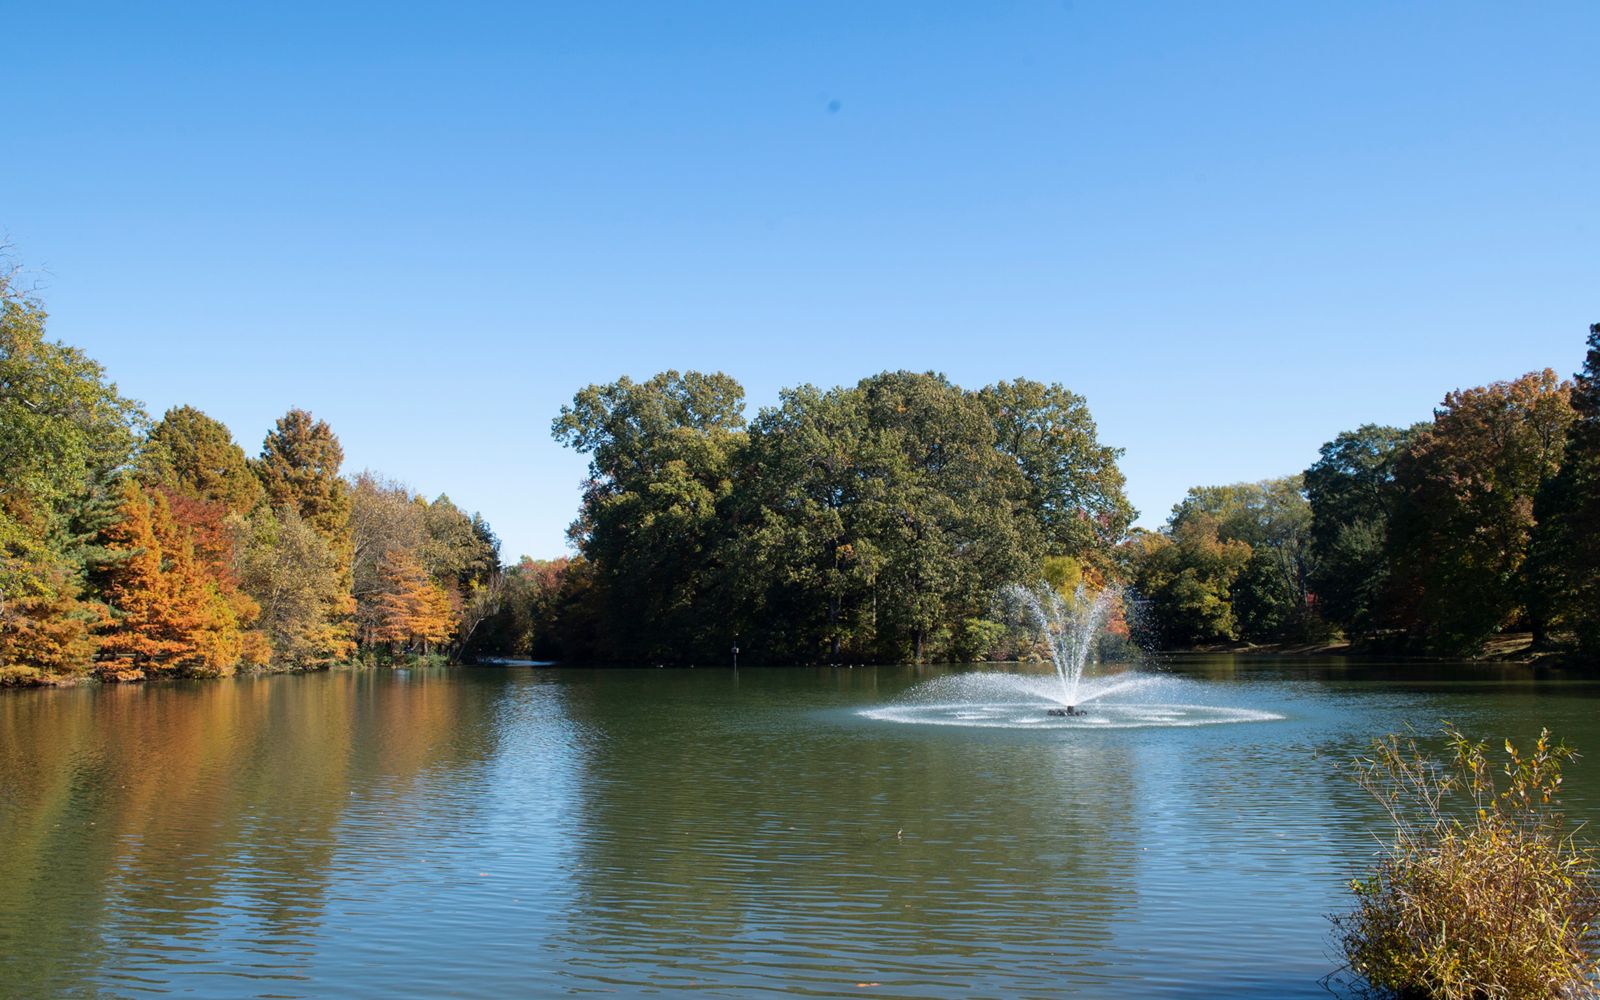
(1075, 695)
(1071, 631)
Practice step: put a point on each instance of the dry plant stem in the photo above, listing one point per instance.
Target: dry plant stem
(1481, 892)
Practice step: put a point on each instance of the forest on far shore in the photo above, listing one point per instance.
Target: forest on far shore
(876, 522)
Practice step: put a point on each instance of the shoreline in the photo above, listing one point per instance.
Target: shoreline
(1513, 648)
(89, 678)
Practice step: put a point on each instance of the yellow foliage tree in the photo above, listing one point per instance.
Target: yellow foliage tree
(293, 577)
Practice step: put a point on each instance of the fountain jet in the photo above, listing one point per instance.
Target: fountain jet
(1071, 631)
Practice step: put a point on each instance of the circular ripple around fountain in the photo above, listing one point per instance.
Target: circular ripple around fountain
(1100, 715)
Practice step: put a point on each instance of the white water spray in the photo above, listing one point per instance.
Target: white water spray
(1071, 630)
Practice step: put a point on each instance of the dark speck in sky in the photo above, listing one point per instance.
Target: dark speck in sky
(834, 106)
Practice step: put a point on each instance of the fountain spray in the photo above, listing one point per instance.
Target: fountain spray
(1071, 631)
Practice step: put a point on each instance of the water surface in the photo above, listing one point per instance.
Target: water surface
(516, 831)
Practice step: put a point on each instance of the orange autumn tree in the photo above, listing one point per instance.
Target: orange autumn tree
(45, 627)
(203, 525)
(412, 609)
(167, 615)
(209, 485)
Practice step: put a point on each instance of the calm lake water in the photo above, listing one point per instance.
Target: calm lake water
(497, 832)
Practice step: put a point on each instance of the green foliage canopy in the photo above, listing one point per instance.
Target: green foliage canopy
(196, 455)
(873, 521)
(1351, 492)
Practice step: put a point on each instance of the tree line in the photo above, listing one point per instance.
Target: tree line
(877, 522)
(871, 522)
(1432, 538)
(132, 548)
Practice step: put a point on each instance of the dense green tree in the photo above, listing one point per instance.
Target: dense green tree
(661, 461)
(626, 427)
(1565, 560)
(64, 428)
(1074, 486)
(808, 552)
(953, 524)
(1462, 529)
(299, 468)
(577, 618)
(879, 521)
(871, 521)
(189, 453)
(1352, 496)
(457, 548)
(463, 556)
(1271, 597)
(65, 431)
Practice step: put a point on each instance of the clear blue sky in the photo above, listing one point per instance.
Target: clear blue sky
(1236, 228)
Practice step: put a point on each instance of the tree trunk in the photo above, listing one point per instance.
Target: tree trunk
(833, 626)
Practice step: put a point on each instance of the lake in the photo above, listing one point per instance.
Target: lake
(514, 831)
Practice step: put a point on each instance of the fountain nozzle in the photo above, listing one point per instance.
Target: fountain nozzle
(1072, 711)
